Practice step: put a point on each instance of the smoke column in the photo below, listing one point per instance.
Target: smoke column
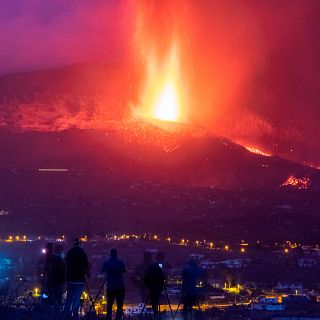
(251, 69)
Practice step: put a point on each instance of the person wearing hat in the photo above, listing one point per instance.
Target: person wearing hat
(77, 268)
(114, 270)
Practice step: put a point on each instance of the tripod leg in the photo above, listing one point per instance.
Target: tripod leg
(101, 288)
(179, 304)
(198, 304)
(92, 302)
(165, 289)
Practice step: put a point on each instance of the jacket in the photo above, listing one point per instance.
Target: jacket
(77, 265)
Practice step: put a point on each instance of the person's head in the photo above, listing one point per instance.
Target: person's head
(76, 242)
(160, 256)
(113, 252)
(147, 256)
(58, 250)
(192, 262)
(49, 248)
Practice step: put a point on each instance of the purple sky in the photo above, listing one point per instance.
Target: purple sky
(44, 33)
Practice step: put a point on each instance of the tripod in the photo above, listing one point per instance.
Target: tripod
(158, 306)
(93, 301)
(194, 300)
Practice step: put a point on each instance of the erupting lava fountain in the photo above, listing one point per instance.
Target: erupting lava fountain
(163, 95)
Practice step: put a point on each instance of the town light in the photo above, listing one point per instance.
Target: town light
(36, 292)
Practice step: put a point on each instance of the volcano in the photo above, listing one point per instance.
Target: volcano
(157, 151)
(71, 150)
(68, 118)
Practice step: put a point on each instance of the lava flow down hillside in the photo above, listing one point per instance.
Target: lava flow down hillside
(162, 152)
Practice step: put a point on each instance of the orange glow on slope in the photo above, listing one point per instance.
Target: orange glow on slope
(299, 183)
(163, 95)
(257, 151)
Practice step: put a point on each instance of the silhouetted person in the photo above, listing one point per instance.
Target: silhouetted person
(139, 273)
(114, 270)
(77, 269)
(54, 275)
(190, 278)
(154, 280)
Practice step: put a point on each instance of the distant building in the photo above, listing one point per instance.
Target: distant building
(235, 263)
(267, 304)
(173, 291)
(196, 256)
(306, 262)
(136, 310)
(208, 264)
(216, 283)
(289, 286)
(231, 263)
(216, 296)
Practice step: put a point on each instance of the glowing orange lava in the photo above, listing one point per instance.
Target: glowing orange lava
(299, 183)
(167, 106)
(163, 94)
(257, 151)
